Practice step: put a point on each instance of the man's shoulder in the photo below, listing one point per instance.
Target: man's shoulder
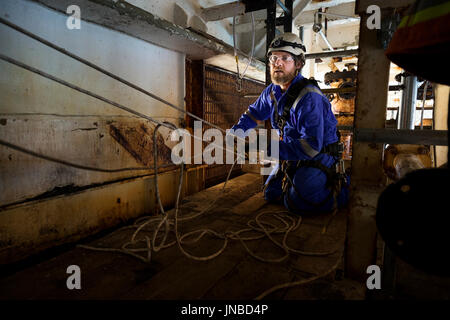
(311, 92)
(266, 93)
(310, 96)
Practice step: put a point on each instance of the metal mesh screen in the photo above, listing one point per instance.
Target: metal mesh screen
(223, 105)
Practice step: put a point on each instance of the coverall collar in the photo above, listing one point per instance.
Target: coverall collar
(277, 88)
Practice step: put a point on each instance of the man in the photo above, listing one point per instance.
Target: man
(306, 179)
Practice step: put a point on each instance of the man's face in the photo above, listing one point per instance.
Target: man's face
(284, 69)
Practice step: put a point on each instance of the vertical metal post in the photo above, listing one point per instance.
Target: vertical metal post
(389, 275)
(408, 107)
(270, 28)
(405, 121)
(288, 16)
(271, 25)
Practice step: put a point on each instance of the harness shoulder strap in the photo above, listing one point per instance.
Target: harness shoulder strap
(296, 92)
(305, 91)
(292, 94)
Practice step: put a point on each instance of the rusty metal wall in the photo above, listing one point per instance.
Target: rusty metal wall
(223, 104)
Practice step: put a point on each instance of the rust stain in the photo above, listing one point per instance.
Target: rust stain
(84, 129)
(138, 141)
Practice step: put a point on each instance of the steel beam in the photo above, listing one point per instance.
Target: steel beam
(407, 109)
(223, 11)
(402, 136)
(329, 54)
(271, 26)
(287, 23)
(353, 89)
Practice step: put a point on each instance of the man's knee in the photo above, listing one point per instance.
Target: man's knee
(273, 191)
(272, 194)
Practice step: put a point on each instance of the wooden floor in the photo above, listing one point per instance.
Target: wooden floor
(234, 274)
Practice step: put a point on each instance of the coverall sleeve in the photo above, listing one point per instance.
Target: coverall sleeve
(259, 110)
(308, 120)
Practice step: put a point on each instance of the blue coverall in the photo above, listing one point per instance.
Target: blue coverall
(311, 119)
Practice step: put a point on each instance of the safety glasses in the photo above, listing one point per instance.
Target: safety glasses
(284, 58)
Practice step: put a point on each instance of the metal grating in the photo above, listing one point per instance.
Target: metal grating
(223, 105)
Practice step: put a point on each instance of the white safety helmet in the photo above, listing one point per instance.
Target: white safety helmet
(288, 42)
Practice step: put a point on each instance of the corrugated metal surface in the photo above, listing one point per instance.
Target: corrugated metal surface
(223, 105)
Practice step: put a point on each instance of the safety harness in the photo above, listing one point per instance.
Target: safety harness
(335, 175)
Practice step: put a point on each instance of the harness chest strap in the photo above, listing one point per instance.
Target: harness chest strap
(310, 151)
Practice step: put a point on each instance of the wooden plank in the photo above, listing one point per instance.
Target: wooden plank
(249, 279)
(186, 278)
(250, 205)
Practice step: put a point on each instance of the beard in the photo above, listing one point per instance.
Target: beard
(281, 78)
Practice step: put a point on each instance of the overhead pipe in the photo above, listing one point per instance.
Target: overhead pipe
(326, 40)
(329, 54)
